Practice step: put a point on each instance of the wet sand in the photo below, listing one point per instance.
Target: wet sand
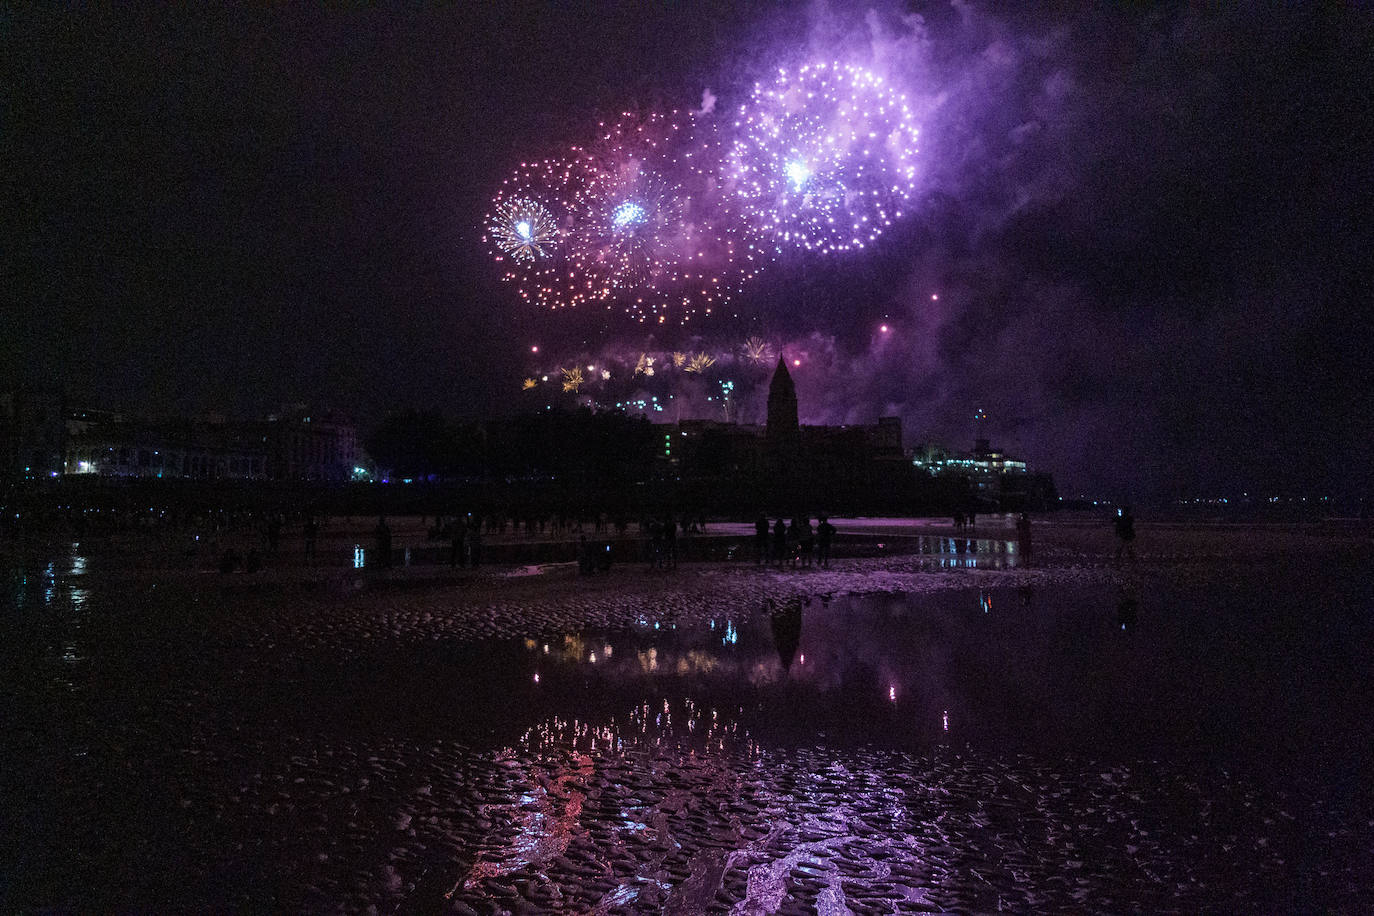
(1185, 732)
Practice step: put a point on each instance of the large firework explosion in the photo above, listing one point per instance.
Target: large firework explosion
(639, 220)
(823, 157)
(657, 230)
(544, 195)
(667, 215)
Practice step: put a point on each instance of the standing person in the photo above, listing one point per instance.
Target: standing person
(383, 534)
(458, 547)
(806, 540)
(825, 532)
(780, 542)
(475, 543)
(311, 531)
(1125, 532)
(1023, 538)
(586, 563)
(655, 543)
(670, 542)
(761, 538)
(273, 534)
(793, 541)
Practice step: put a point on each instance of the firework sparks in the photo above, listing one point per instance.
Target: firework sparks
(825, 157)
(757, 351)
(532, 220)
(527, 384)
(644, 365)
(572, 378)
(679, 359)
(639, 219)
(629, 223)
(523, 229)
(700, 363)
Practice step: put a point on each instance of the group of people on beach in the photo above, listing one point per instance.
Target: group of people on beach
(795, 543)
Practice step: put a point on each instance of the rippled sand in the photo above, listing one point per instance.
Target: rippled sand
(179, 746)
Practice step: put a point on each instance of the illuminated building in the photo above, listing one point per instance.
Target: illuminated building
(295, 445)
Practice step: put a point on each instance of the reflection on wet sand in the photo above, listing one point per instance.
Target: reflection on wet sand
(979, 748)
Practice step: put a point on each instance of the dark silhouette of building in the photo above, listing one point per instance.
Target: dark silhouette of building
(32, 434)
(297, 446)
(783, 432)
(783, 461)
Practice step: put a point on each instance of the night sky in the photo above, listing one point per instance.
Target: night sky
(1149, 226)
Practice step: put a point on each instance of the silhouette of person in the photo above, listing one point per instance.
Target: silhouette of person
(670, 542)
(458, 544)
(311, 532)
(1125, 532)
(1023, 538)
(761, 538)
(383, 534)
(779, 542)
(586, 564)
(273, 534)
(655, 544)
(825, 533)
(806, 541)
(475, 544)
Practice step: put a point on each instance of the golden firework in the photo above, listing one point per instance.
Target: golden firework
(527, 384)
(572, 378)
(700, 363)
(757, 351)
(679, 359)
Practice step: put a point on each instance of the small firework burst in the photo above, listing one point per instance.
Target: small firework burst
(572, 378)
(700, 363)
(679, 359)
(605, 375)
(523, 228)
(527, 384)
(757, 351)
(544, 194)
(644, 365)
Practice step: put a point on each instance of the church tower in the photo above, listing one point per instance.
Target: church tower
(782, 443)
(782, 431)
